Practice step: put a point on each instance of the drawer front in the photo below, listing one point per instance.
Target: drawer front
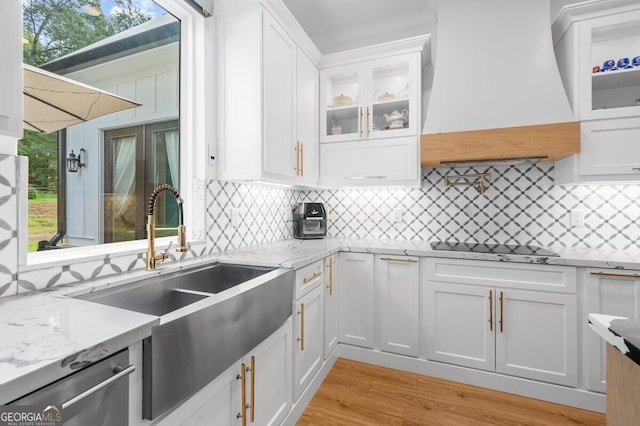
(553, 278)
(309, 277)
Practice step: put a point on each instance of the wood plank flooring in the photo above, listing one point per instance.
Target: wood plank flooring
(356, 394)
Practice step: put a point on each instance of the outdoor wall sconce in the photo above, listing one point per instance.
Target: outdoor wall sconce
(74, 162)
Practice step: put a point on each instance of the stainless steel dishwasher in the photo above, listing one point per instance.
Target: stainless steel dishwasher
(96, 395)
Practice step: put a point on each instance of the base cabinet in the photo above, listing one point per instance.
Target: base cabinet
(609, 293)
(356, 299)
(397, 294)
(331, 285)
(308, 352)
(524, 333)
(264, 374)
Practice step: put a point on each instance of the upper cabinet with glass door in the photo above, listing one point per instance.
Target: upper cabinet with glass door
(610, 66)
(370, 100)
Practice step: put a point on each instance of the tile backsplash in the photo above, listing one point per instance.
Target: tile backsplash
(520, 205)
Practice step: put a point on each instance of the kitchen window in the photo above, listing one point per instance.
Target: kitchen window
(165, 119)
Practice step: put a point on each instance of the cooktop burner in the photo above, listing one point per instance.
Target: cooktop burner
(526, 250)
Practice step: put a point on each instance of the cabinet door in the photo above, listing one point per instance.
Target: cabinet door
(459, 323)
(355, 299)
(279, 62)
(269, 378)
(608, 293)
(342, 116)
(392, 161)
(332, 284)
(610, 147)
(306, 120)
(536, 335)
(397, 284)
(218, 403)
(308, 349)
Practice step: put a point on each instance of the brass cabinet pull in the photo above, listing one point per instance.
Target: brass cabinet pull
(312, 277)
(301, 339)
(301, 153)
(614, 275)
(244, 395)
(299, 159)
(331, 276)
(490, 310)
(253, 388)
(501, 307)
(368, 131)
(394, 259)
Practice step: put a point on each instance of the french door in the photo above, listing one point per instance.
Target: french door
(137, 159)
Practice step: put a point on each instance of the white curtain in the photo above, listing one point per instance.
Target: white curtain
(172, 144)
(124, 173)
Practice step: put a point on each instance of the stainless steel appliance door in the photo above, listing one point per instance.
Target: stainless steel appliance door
(95, 395)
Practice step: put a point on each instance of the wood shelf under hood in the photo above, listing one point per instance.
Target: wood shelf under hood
(553, 141)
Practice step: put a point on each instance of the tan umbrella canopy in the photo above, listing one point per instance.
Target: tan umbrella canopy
(53, 102)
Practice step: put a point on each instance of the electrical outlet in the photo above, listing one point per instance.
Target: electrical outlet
(397, 215)
(577, 218)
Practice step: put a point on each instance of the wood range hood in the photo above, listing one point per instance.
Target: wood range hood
(497, 96)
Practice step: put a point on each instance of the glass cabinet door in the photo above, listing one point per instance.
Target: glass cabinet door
(344, 115)
(371, 100)
(389, 109)
(612, 86)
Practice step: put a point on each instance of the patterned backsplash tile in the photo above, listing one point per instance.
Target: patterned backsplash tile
(520, 205)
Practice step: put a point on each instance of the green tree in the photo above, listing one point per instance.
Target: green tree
(53, 28)
(42, 151)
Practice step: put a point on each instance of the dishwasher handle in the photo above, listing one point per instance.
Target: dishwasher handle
(125, 372)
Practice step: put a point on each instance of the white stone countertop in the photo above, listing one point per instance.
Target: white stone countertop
(44, 334)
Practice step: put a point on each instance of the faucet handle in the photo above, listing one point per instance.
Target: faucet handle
(165, 253)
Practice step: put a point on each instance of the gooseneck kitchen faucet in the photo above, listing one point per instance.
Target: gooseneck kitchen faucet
(152, 256)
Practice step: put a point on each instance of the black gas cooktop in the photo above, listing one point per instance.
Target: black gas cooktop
(526, 250)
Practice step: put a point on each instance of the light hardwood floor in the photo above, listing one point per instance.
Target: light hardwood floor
(362, 394)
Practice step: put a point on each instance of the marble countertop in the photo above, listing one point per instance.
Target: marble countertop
(297, 253)
(621, 332)
(44, 332)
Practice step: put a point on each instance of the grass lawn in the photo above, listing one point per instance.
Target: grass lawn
(42, 219)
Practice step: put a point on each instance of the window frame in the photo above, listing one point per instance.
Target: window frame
(193, 91)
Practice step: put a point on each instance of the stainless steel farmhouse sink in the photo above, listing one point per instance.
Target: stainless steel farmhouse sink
(238, 306)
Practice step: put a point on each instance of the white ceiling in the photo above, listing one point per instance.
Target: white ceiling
(338, 25)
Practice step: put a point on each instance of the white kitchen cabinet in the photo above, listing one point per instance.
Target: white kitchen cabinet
(355, 299)
(268, 91)
(332, 284)
(361, 163)
(11, 72)
(358, 99)
(609, 292)
(309, 347)
(308, 328)
(370, 118)
(502, 327)
(609, 153)
(265, 376)
(605, 42)
(397, 292)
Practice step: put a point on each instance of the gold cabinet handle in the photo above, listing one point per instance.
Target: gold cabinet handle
(301, 339)
(394, 259)
(301, 154)
(614, 275)
(298, 150)
(241, 376)
(490, 310)
(330, 276)
(312, 277)
(501, 307)
(368, 130)
(253, 388)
